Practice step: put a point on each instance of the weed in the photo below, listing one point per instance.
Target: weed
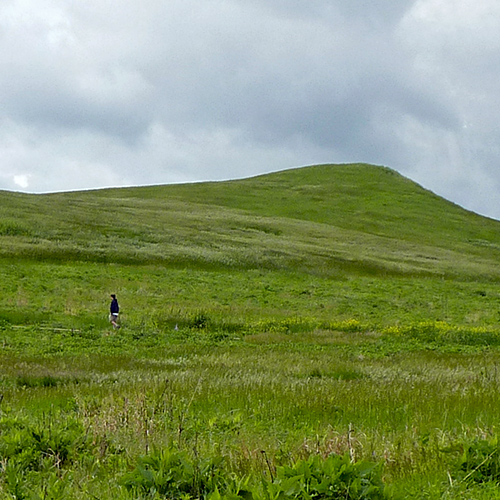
(331, 478)
(480, 461)
(173, 474)
(32, 447)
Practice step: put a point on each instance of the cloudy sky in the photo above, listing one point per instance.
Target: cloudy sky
(102, 93)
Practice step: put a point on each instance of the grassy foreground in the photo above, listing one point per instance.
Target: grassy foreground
(328, 332)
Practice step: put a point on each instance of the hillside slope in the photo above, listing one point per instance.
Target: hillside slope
(360, 197)
(331, 219)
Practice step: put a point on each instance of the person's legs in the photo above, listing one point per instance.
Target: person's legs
(113, 319)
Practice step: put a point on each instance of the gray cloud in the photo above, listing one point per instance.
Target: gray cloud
(92, 95)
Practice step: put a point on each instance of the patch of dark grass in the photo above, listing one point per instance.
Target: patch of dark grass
(340, 374)
(23, 317)
(14, 228)
(47, 381)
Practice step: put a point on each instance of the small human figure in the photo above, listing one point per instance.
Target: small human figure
(114, 309)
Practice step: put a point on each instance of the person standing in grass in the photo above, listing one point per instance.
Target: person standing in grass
(114, 309)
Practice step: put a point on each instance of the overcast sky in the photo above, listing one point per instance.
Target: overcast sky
(102, 93)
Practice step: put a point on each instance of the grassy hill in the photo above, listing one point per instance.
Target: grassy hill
(334, 326)
(326, 219)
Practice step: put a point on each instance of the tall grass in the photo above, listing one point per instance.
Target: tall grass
(413, 411)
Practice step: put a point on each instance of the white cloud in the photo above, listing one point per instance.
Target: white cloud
(21, 180)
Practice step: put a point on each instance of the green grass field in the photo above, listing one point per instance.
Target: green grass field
(323, 332)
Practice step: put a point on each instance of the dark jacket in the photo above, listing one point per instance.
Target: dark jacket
(114, 308)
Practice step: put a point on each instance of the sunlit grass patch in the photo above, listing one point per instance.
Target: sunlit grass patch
(441, 332)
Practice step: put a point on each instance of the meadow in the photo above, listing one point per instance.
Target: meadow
(326, 332)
